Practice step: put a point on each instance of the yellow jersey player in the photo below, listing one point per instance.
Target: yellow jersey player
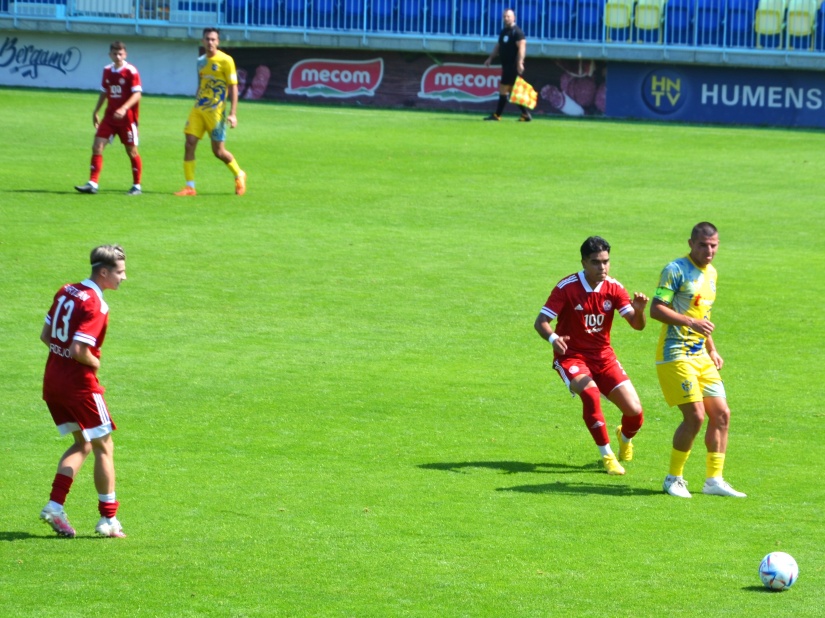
(688, 364)
(217, 84)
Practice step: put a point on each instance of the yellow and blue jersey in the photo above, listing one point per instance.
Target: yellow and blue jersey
(216, 74)
(689, 290)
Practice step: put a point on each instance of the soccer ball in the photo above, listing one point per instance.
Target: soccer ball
(778, 570)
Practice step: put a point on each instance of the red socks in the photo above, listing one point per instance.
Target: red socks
(593, 417)
(97, 166)
(137, 169)
(107, 509)
(60, 488)
(632, 424)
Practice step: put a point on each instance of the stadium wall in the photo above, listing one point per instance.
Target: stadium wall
(398, 79)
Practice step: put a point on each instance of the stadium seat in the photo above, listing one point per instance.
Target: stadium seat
(236, 11)
(741, 15)
(470, 17)
(353, 13)
(411, 15)
(618, 20)
(198, 12)
(324, 14)
(528, 19)
(769, 23)
(800, 24)
(381, 16)
(441, 16)
(559, 15)
(492, 22)
(709, 20)
(589, 24)
(679, 21)
(649, 20)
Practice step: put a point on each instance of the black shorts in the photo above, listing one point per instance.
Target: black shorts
(508, 75)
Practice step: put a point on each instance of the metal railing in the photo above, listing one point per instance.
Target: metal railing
(789, 25)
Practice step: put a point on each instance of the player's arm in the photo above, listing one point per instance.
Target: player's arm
(545, 331)
(492, 55)
(120, 112)
(100, 100)
(233, 105)
(522, 52)
(636, 316)
(663, 312)
(46, 333)
(710, 346)
(83, 354)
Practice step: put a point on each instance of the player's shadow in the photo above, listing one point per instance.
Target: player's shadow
(17, 536)
(576, 489)
(512, 467)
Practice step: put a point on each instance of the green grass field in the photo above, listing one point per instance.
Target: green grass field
(330, 397)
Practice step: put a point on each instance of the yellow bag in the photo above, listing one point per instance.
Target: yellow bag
(524, 94)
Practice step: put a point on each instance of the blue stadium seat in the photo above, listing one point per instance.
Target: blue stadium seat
(709, 20)
(559, 15)
(529, 19)
(470, 17)
(740, 18)
(236, 11)
(411, 15)
(492, 20)
(589, 16)
(441, 16)
(679, 22)
(381, 16)
(324, 14)
(819, 31)
(352, 14)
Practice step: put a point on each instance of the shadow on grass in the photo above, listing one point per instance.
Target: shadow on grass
(20, 536)
(513, 467)
(582, 488)
(9, 536)
(759, 589)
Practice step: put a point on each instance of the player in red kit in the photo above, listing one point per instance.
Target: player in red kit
(74, 331)
(121, 89)
(584, 304)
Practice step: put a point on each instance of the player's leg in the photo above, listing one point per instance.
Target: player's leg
(196, 126)
(67, 468)
(107, 505)
(102, 137)
(130, 141)
(506, 83)
(625, 397)
(220, 151)
(716, 440)
(586, 388)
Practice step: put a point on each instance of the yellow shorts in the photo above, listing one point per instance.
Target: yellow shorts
(689, 380)
(203, 121)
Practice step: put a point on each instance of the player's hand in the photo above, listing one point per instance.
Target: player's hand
(639, 301)
(487, 62)
(120, 113)
(717, 360)
(560, 344)
(95, 120)
(232, 120)
(703, 327)
(520, 67)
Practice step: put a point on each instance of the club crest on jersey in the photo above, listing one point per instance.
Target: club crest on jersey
(574, 369)
(687, 385)
(607, 305)
(214, 67)
(506, 38)
(122, 81)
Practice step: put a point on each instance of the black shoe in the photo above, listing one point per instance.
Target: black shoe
(87, 188)
(525, 117)
(495, 117)
(135, 190)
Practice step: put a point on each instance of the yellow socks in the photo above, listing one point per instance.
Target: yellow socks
(678, 459)
(715, 464)
(236, 169)
(189, 172)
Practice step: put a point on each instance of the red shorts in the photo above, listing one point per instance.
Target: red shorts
(86, 413)
(606, 373)
(126, 131)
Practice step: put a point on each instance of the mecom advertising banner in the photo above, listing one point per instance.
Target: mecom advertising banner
(67, 61)
(716, 95)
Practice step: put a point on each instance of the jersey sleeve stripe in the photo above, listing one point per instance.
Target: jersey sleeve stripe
(550, 314)
(625, 309)
(84, 338)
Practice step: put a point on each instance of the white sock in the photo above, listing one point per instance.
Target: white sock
(55, 506)
(106, 497)
(625, 438)
(605, 450)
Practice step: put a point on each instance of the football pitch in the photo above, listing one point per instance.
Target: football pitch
(329, 394)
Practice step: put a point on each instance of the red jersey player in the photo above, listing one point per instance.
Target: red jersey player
(584, 303)
(121, 89)
(74, 331)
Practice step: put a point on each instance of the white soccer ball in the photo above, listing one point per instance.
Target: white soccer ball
(778, 570)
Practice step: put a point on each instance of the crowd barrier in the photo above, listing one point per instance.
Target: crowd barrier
(787, 25)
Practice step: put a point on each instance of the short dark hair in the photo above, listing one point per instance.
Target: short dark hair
(208, 30)
(117, 46)
(703, 229)
(594, 244)
(106, 256)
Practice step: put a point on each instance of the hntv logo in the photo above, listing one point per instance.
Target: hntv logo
(663, 91)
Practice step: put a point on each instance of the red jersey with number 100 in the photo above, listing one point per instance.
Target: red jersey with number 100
(585, 314)
(119, 85)
(78, 313)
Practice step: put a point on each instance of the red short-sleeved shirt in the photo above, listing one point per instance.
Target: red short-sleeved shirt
(119, 84)
(78, 313)
(585, 314)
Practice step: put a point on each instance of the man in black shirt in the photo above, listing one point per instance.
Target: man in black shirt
(511, 48)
